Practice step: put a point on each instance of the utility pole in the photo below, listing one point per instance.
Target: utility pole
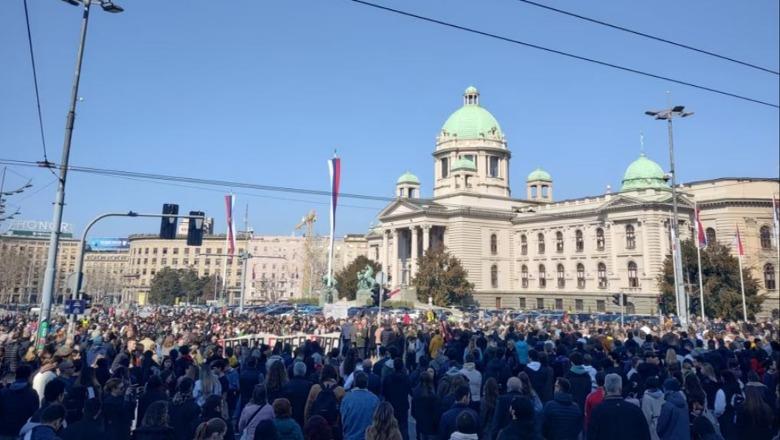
(668, 115)
(50, 275)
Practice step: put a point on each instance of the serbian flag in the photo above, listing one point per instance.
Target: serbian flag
(738, 242)
(230, 240)
(700, 234)
(776, 218)
(334, 167)
(393, 293)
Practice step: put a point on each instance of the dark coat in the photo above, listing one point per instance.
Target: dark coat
(247, 380)
(581, 386)
(562, 418)
(424, 412)
(146, 400)
(85, 429)
(396, 390)
(614, 418)
(448, 425)
(542, 382)
(673, 423)
(154, 433)
(184, 418)
(517, 431)
(18, 403)
(501, 417)
(297, 391)
(118, 414)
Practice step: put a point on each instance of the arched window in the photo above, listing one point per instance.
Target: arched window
(630, 237)
(602, 274)
(766, 237)
(769, 277)
(599, 239)
(524, 276)
(523, 245)
(579, 242)
(542, 276)
(580, 275)
(561, 276)
(493, 244)
(494, 276)
(633, 278)
(559, 241)
(540, 239)
(711, 235)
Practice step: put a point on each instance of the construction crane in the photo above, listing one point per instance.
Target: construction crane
(308, 249)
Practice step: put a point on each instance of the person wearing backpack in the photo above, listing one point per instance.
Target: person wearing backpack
(324, 400)
(254, 412)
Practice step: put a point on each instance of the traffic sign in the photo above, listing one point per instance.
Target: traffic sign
(75, 306)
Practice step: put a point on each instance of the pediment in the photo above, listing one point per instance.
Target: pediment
(399, 207)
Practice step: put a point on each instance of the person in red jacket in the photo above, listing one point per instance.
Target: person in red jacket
(594, 398)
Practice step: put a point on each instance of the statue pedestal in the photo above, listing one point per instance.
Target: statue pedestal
(364, 297)
(328, 295)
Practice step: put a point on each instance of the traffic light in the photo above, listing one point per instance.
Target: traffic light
(168, 224)
(616, 299)
(195, 228)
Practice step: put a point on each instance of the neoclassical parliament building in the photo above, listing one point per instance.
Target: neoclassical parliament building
(536, 252)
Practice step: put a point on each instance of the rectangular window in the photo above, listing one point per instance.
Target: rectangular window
(164, 251)
(175, 251)
(163, 261)
(540, 303)
(521, 303)
(472, 158)
(445, 167)
(600, 305)
(578, 305)
(154, 251)
(493, 166)
(558, 304)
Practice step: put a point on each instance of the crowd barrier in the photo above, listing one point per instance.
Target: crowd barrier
(328, 341)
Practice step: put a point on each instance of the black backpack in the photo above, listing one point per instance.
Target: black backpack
(326, 405)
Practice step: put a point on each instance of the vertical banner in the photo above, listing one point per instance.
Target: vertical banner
(230, 238)
(334, 168)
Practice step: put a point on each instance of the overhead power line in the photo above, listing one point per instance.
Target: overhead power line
(652, 37)
(566, 54)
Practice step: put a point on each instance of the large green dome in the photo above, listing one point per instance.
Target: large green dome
(471, 121)
(643, 173)
(408, 177)
(539, 174)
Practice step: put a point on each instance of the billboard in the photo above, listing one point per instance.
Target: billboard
(37, 228)
(108, 244)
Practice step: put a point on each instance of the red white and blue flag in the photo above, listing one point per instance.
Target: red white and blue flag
(230, 240)
(334, 168)
(700, 233)
(738, 243)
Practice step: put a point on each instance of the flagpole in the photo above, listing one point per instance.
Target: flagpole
(674, 266)
(742, 286)
(699, 232)
(776, 224)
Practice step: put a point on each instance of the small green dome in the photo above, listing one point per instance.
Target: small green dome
(643, 173)
(471, 121)
(539, 174)
(464, 164)
(408, 177)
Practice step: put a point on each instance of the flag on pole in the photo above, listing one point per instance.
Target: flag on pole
(700, 233)
(776, 216)
(230, 201)
(334, 168)
(738, 242)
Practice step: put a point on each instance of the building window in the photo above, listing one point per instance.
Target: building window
(578, 305)
(769, 276)
(580, 276)
(523, 245)
(633, 278)
(602, 275)
(494, 276)
(711, 235)
(766, 237)
(154, 251)
(579, 242)
(521, 303)
(599, 239)
(542, 276)
(175, 251)
(493, 244)
(540, 303)
(524, 276)
(561, 279)
(559, 241)
(558, 303)
(600, 305)
(540, 240)
(630, 237)
(165, 251)
(445, 167)
(493, 166)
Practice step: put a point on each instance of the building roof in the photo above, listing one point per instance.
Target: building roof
(408, 177)
(539, 174)
(464, 164)
(643, 173)
(471, 121)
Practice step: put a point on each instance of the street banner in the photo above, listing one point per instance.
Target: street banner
(328, 341)
(230, 239)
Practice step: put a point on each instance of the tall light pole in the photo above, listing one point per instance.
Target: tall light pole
(677, 111)
(50, 276)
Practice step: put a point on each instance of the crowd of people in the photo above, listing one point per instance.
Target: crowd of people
(178, 374)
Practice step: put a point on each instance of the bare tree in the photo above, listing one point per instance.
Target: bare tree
(14, 268)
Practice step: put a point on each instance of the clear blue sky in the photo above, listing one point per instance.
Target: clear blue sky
(263, 91)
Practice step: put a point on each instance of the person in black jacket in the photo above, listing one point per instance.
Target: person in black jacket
(522, 425)
(502, 416)
(184, 411)
(90, 426)
(396, 390)
(448, 422)
(424, 405)
(562, 417)
(117, 409)
(18, 402)
(614, 417)
(541, 375)
(579, 378)
(249, 377)
(297, 391)
(154, 425)
(155, 391)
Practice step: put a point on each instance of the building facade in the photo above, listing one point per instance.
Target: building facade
(538, 253)
(23, 263)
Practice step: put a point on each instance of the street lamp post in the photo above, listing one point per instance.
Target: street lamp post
(50, 275)
(677, 111)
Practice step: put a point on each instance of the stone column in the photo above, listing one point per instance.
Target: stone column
(394, 260)
(384, 252)
(426, 237)
(414, 253)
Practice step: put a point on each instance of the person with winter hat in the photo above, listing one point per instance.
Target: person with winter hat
(673, 423)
